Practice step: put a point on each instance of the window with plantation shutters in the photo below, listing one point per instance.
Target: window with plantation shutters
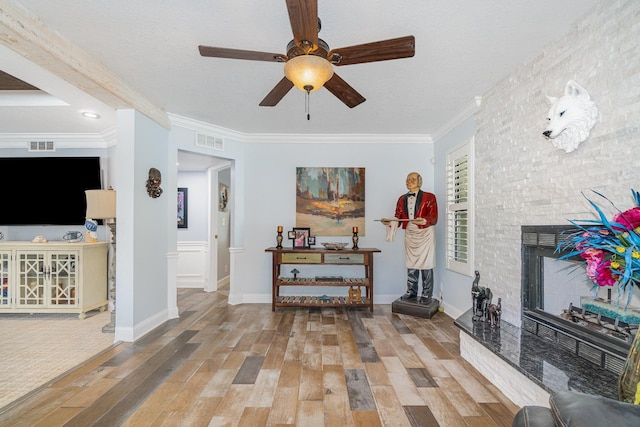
(460, 209)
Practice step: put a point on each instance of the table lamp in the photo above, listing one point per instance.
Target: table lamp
(101, 204)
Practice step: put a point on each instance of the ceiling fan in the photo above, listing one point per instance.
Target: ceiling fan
(309, 60)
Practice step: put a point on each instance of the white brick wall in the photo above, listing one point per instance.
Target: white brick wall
(521, 179)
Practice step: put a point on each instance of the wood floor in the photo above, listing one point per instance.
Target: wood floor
(244, 365)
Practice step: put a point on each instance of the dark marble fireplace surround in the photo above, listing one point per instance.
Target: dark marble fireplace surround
(554, 353)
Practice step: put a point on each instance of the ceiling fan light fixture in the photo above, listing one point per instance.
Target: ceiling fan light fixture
(308, 71)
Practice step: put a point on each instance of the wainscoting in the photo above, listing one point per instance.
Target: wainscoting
(192, 264)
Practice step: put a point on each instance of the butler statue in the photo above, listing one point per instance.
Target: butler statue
(416, 213)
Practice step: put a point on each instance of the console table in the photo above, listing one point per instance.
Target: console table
(362, 256)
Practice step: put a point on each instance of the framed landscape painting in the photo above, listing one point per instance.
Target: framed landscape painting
(330, 201)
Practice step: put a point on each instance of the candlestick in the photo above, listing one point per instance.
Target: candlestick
(355, 238)
(279, 238)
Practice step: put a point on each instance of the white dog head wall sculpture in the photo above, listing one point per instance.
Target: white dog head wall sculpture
(570, 118)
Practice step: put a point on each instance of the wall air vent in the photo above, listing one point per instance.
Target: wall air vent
(41, 146)
(208, 141)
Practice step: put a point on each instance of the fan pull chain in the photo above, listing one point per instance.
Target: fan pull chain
(306, 101)
(306, 106)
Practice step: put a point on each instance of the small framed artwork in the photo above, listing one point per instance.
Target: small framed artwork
(312, 240)
(223, 197)
(301, 237)
(182, 207)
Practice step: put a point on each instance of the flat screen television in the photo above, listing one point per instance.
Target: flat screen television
(46, 190)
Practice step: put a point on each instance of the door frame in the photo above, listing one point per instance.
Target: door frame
(212, 260)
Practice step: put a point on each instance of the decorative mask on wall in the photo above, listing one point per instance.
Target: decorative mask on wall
(153, 183)
(570, 118)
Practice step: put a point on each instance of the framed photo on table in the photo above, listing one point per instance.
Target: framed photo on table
(301, 237)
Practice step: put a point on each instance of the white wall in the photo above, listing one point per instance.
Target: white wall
(268, 195)
(263, 197)
(142, 238)
(270, 201)
(456, 288)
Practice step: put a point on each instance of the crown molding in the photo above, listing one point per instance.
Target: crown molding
(203, 127)
(108, 138)
(207, 128)
(467, 111)
(104, 139)
(355, 138)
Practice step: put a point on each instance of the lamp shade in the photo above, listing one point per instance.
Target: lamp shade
(308, 72)
(101, 204)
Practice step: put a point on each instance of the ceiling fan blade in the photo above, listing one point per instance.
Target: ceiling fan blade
(343, 91)
(303, 15)
(221, 52)
(277, 93)
(401, 47)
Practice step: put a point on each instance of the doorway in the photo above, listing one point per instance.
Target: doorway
(203, 246)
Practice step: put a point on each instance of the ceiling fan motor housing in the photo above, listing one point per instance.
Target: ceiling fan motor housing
(294, 50)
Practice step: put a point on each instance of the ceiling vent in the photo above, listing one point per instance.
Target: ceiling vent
(208, 141)
(41, 146)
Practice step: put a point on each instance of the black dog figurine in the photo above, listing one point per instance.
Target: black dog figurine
(481, 298)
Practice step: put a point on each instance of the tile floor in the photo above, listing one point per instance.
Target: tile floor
(36, 348)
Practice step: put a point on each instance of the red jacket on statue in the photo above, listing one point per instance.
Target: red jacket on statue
(426, 207)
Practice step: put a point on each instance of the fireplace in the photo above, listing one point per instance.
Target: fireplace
(558, 303)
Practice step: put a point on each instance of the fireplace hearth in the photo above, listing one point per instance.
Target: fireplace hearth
(592, 329)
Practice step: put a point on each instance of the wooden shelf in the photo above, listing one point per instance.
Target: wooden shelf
(298, 301)
(358, 257)
(290, 281)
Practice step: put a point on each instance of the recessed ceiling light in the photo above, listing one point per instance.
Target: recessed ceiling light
(90, 115)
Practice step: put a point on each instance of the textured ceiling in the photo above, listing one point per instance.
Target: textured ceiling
(463, 48)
